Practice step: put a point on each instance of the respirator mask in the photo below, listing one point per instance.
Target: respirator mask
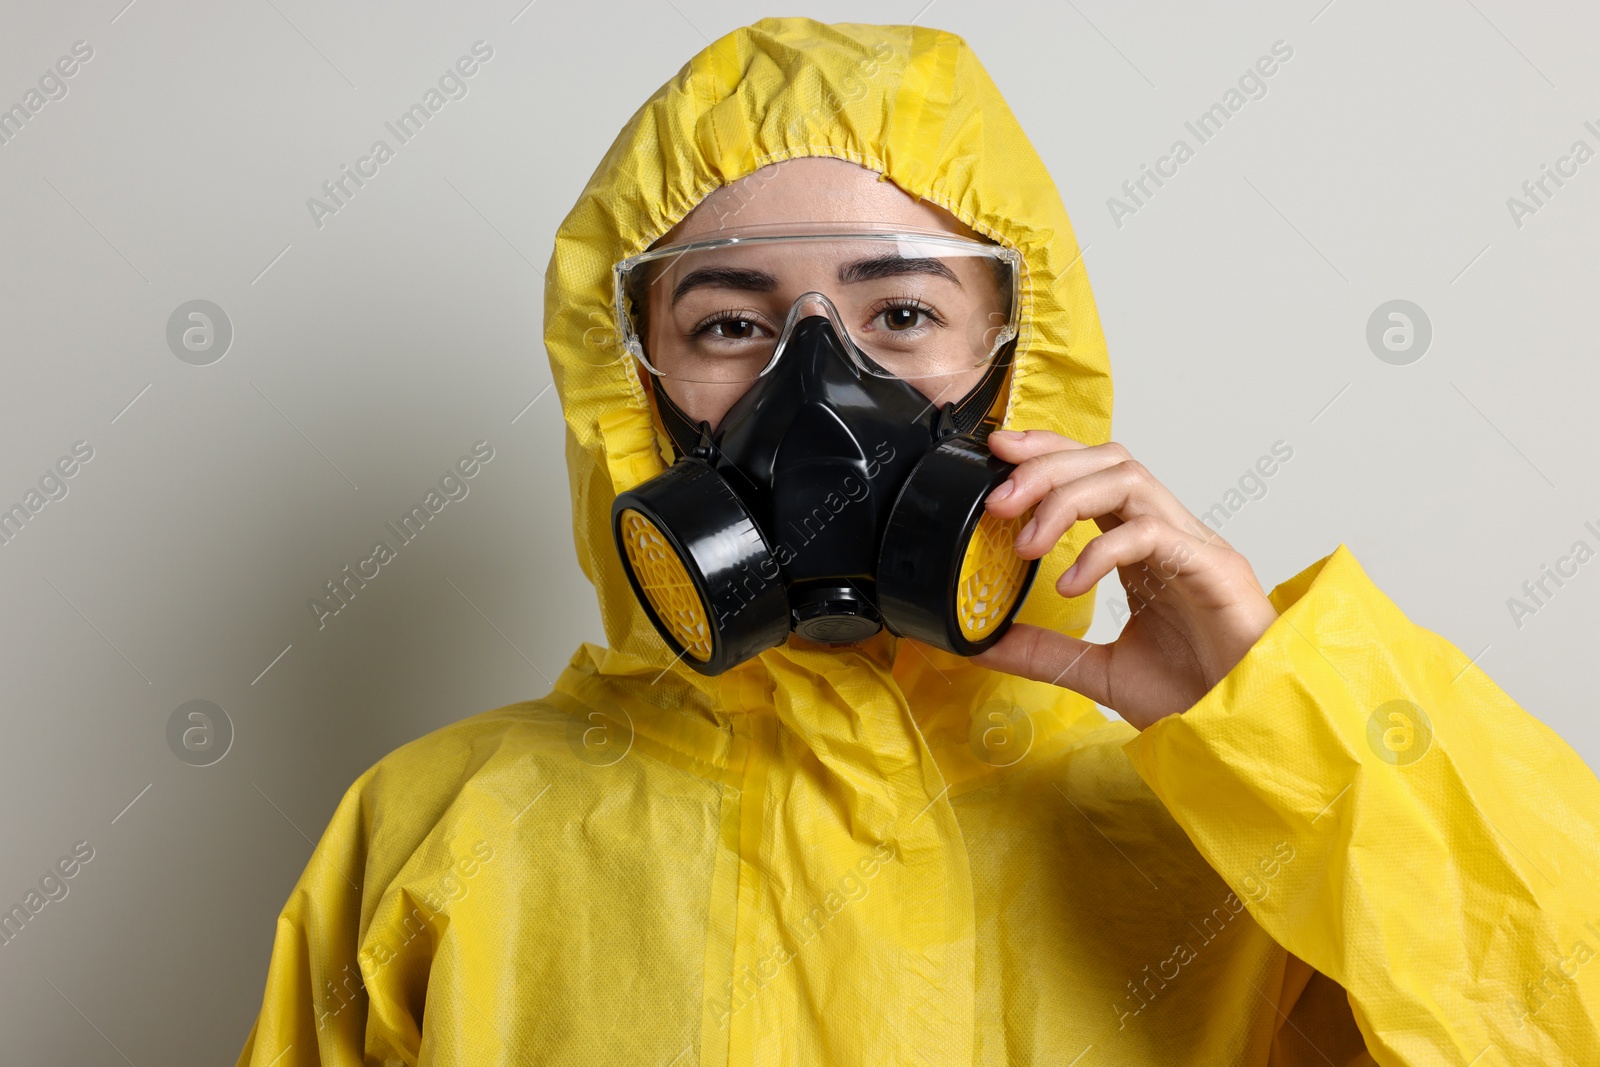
(842, 492)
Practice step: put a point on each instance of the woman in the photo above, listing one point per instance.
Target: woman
(1319, 836)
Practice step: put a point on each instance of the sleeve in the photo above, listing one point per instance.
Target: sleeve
(1430, 846)
(314, 1010)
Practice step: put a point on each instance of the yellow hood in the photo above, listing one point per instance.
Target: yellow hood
(911, 103)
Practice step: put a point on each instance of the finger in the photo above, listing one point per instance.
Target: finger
(1037, 475)
(1124, 490)
(1047, 656)
(1014, 446)
(1146, 539)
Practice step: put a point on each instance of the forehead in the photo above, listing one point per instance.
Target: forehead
(810, 190)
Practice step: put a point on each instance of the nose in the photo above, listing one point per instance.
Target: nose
(814, 327)
(815, 352)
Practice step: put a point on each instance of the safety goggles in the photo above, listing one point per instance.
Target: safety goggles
(906, 303)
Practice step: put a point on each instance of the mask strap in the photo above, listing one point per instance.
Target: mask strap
(966, 413)
(682, 431)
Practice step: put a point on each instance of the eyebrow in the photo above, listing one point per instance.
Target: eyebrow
(863, 270)
(759, 281)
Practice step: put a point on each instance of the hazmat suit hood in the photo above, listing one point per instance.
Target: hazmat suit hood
(912, 104)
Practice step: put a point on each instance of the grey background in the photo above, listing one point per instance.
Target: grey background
(370, 353)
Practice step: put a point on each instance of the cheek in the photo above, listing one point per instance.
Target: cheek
(948, 388)
(703, 401)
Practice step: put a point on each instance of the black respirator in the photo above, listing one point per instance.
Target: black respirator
(831, 503)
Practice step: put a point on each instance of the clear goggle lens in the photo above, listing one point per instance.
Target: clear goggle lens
(907, 304)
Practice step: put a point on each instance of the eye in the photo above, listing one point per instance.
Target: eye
(730, 325)
(902, 318)
(906, 316)
(735, 329)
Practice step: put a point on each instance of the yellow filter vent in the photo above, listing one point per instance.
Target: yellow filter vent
(992, 576)
(667, 585)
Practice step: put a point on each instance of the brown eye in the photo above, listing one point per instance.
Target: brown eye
(736, 329)
(902, 318)
(731, 324)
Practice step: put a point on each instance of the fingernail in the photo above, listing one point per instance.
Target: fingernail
(1001, 491)
(1007, 435)
(1027, 532)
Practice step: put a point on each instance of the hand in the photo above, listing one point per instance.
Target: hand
(1197, 607)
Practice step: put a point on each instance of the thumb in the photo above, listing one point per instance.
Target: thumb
(1047, 656)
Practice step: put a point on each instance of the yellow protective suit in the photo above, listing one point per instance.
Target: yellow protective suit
(887, 855)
